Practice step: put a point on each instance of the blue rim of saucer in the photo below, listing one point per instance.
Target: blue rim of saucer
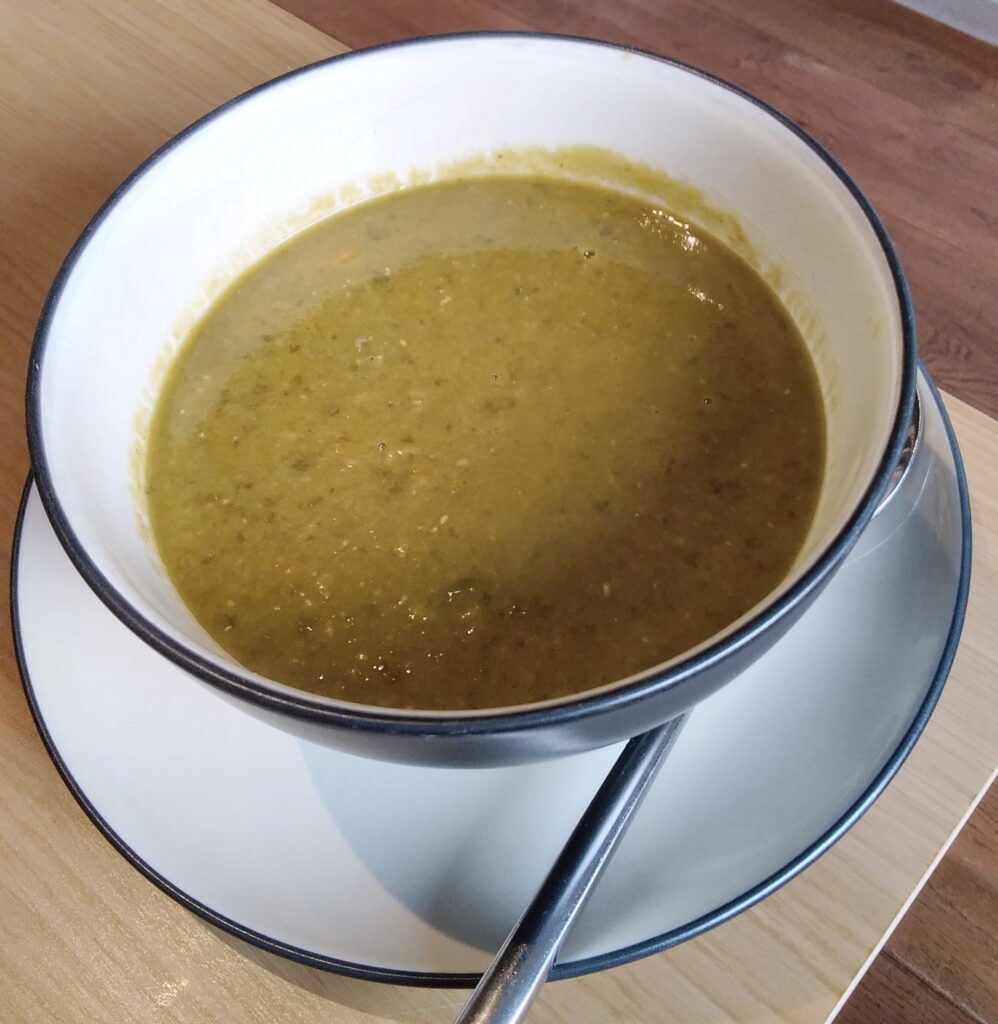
(583, 707)
(572, 968)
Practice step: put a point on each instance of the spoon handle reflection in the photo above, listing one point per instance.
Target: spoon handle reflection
(520, 968)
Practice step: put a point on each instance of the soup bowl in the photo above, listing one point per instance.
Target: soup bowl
(268, 164)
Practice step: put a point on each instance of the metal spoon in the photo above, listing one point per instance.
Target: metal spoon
(520, 968)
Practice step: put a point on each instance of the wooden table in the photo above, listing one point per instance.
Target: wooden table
(90, 88)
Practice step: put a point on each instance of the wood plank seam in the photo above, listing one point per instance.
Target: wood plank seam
(968, 1011)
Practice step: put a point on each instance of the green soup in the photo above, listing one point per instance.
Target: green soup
(483, 443)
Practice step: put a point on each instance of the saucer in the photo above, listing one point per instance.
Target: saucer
(415, 875)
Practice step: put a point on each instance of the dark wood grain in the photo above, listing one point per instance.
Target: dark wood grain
(910, 107)
(949, 937)
(892, 994)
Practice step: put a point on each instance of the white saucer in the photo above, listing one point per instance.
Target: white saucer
(416, 874)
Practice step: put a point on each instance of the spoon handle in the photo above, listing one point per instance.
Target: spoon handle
(520, 968)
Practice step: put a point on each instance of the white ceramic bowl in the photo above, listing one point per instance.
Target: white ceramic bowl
(269, 163)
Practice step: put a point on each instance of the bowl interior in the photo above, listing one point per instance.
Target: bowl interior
(277, 160)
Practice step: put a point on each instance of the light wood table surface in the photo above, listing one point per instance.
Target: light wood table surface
(89, 89)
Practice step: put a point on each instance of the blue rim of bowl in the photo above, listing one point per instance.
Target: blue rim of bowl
(656, 680)
(572, 968)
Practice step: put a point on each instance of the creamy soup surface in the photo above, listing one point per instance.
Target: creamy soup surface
(483, 443)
